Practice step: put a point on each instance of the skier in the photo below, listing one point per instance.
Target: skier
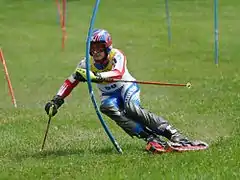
(121, 101)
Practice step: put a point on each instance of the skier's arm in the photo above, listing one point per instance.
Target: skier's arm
(69, 84)
(67, 87)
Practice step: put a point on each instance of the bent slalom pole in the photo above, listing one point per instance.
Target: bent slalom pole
(90, 89)
(188, 85)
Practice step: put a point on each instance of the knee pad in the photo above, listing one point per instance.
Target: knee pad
(132, 109)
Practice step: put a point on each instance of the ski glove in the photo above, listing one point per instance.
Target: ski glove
(98, 78)
(52, 106)
(81, 75)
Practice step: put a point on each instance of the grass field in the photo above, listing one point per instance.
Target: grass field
(77, 146)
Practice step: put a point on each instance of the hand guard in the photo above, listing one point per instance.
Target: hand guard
(78, 76)
(52, 106)
(81, 75)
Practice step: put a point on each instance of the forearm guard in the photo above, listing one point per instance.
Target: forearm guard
(58, 101)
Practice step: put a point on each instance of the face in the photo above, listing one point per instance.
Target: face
(97, 50)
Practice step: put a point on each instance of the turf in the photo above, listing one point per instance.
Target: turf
(77, 147)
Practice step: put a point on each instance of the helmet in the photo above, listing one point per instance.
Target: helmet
(101, 35)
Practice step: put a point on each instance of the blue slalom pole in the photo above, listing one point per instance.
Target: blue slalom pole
(216, 32)
(168, 22)
(89, 80)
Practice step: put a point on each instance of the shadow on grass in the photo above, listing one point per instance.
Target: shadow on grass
(65, 152)
(57, 153)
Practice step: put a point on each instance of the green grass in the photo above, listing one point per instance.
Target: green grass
(77, 147)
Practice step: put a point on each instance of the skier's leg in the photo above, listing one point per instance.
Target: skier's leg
(110, 106)
(162, 127)
(156, 124)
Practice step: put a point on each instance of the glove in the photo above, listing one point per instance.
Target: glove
(81, 75)
(52, 106)
(78, 76)
(98, 78)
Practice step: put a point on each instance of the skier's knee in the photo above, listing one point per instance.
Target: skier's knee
(131, 108)
(133, 103)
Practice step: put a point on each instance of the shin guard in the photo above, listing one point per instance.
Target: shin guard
(156, 123)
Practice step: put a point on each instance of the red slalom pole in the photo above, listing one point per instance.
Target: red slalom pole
(64, 5)
(59, 12)
(62, 20)
(8, 79)
(110, 80)
(64, 33)
(188, 85)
